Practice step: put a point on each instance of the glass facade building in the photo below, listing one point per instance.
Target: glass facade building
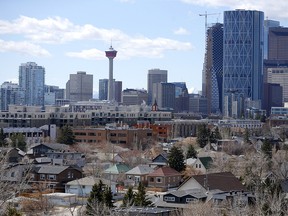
(32, 81)
(242, 59)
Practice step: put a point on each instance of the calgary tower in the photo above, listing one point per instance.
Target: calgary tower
(111, 54)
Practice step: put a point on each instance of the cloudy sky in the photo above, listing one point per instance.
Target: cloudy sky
(66, 36)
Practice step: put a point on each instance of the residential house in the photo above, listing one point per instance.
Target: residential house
(116, 172)
(160, 160)
(42, 149)
(12, 155)
(185, 196)
(164, 178)
(138, 174)
(218, 187)
(54, 176)
(83, 186)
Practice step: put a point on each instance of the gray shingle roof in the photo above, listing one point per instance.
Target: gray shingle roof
(140, 170)
(89, 180)
(197, 193)
(52, 169)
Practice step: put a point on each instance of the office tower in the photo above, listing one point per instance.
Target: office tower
(278, 43)
(242, 59)
(267, 25)
(197, 104)
(52, 93)
(279, 76)
(164, 93)
(10, 93)
(273, 96)
(154, 76)
(32, 81)
(111, 54)
(181, 97)
(103, 89)
(117, 91)
(213, 68)
(79, 87)
(134, 96)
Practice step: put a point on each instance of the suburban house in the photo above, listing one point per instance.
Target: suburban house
(218, 187)
(164, 178)
(185, 196)
(83, 186)
(116, 172)
(160, 160)
(12, 155)
(202, 164)
(60, 154)
(54, 176)
(137, 174)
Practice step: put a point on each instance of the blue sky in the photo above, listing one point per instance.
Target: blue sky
(66, 36)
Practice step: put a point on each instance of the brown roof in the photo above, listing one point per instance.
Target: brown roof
(165, 171)
(224, 181)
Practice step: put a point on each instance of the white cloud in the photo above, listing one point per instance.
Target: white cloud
(181, 31)
(270, 8)
(23, 47)
(60, 30)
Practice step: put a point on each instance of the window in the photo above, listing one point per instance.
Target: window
(70, 174)
(42, 176)
(199, 165)
(83, 186)
(190, 200)
(158, 179)
(51, 177)
(151, 179)
(171, 199)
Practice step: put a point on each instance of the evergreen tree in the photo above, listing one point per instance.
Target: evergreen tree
(267, 148)
(202, 136)
(66, 136)
(176, 159)
(214, 136)
(141, 199)
(18, 141)
(100, 200)
(191, 152)
(129, 197)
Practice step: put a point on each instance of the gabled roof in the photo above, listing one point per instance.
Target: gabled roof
(117, 169)
(197, 193)
(50, 169)
(89, 181)
(206, 161)
(54, 146)
(224, 181)
(165, 171)
(140, 170)
(163, 154)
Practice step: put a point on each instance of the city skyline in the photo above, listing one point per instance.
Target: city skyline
(170, 37)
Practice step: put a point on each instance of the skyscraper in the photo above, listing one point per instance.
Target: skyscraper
(79, 87)
(278, 43)
(154, 76)
(242, 59)
(32, 81)
(103, 89)
(164, 93)
(10, 93)
(111, 54)
(117, 91)
(213, 68)
(181, 97)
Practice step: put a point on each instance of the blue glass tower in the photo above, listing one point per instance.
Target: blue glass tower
(242, 59)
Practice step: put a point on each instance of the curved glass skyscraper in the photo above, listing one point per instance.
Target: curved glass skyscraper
(242, 59)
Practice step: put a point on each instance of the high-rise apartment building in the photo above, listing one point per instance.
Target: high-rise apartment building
(10, 93)
(32, 81)
(154, 76)
(52, 93)
(103, 89)
(213, 68)
(242, 59)
(79, 87)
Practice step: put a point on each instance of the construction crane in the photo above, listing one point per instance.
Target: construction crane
(206, 15)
